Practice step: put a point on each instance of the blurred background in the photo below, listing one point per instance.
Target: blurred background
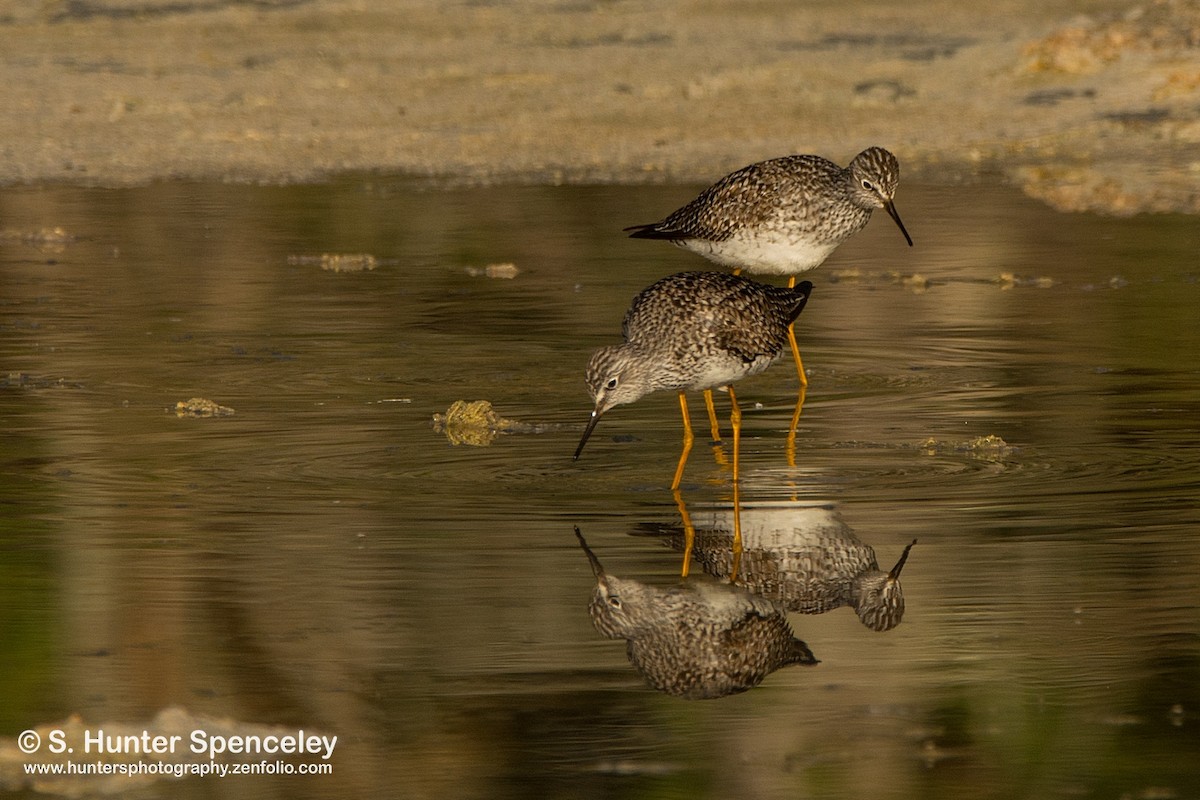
(332, 220)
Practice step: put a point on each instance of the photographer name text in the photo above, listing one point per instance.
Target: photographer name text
(199, 742)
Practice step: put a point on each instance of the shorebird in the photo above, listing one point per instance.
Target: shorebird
(783, 216)
(692, 331)
(699, 640)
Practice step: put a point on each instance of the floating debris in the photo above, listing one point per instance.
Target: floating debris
(1011, 280)
(505, 271)
(915, 282)
(199, 407)
(991, 446)
(474, 423)
(50, 240)
(990, 443)
(477, 423)
(26, 381)
(849, 275)
(50, 236)
(338, 262)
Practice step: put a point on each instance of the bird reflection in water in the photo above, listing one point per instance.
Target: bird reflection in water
(804, 557)
(697, 640)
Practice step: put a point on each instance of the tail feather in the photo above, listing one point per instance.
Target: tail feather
(800, 654)
(653, 231)
(802, 291)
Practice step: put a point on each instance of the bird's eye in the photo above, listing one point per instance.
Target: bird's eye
(866, 184)
(612, 384)
(614, 601)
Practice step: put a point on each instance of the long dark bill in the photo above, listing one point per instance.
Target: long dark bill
(895, 573)
(597, 570)
(890, 207)
(591, 426)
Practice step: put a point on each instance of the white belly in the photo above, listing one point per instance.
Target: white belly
(724, 371)
(762, 255)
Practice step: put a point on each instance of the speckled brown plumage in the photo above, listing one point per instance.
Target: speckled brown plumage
(690, 331)
(784, 215)
(695, 330)
(805, 558)
(698, 640)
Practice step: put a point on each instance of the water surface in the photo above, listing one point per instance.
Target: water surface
(1020, 392)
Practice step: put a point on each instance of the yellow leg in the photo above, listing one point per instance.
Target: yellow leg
(719, 456)
(735, 420)
(712, 415)
(737, 535)
(796, 347)
(791, 437)
(689, 533)
(796, 355)
(688, 438)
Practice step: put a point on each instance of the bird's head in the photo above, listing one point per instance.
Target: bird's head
(874, 175)
(615, 603)
(879, 598)
(615, 376)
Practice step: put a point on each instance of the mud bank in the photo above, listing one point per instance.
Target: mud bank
(1096, 111)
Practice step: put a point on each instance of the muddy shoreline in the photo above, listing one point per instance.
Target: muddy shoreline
(1097, 111)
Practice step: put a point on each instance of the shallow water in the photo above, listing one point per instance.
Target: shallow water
(324, 559)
